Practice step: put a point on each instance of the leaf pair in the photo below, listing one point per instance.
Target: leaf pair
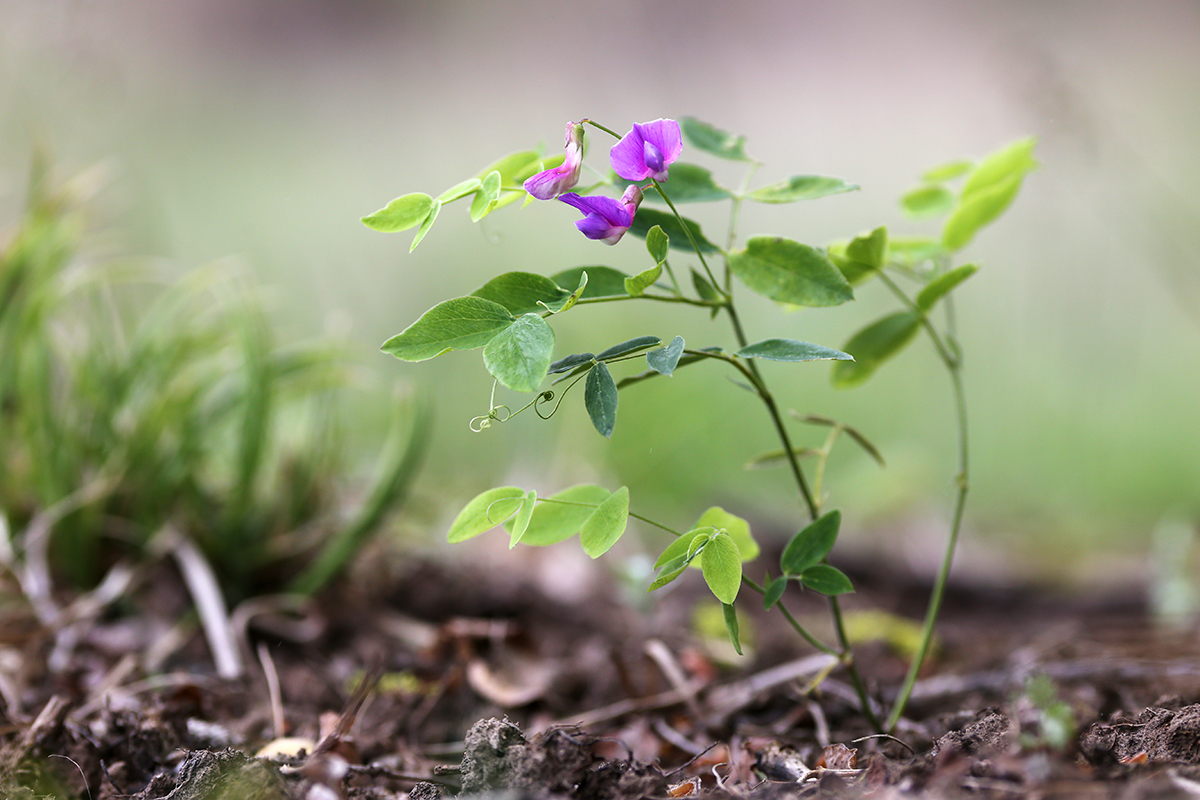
(718, 544)
(803, 560)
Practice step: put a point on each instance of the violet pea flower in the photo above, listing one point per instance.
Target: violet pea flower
(604, 218)
(647, 150)
(550, 183)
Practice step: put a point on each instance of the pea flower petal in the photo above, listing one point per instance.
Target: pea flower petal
(605, 219)
(647, 150)
(548, 184)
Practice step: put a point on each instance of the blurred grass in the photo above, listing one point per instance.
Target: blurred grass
(133, 405)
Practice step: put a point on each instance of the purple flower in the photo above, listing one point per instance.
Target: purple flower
(647, 150)
(604, 218)
(552, 182)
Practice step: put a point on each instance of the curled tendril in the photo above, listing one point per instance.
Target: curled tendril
(484, 421)
(544, 398)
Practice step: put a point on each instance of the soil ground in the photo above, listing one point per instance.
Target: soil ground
(428, 679)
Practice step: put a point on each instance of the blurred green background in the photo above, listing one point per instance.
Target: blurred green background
(263, 130)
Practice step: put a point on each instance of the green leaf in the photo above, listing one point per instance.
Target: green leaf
(721, 565)
(826, 580)
(942, 285)
(514, 167)
(568, 363)
(687, 183)
(647, 218)
(808, 547)
(459, 190)
(668, 573)
(913, 250)
(559, 306)
(401, 214)
(658, 243)
(639, 283)
(601, 530)
(774, 591)
(602, 281)
(948, 171)
(988, 191)
(705, 289)
(854, 272)
(737, 528)
(869, 248)
(521, 292)
(519, 356)
(484, 512)
(790, 272)
(426, 225)
(486, 196)
(731, 625)
(554, 522)
(631, 346)
(463, 323)
(600, 399)
(682, 547)
(713, 140)
(520, 522)
(801, 187)
(931, 200)
(792, 350)
(664, 360)
(775, 458)
(873, 345)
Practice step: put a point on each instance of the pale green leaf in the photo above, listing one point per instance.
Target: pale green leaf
(463, 323)
(665, 359)
(713, 140)
(658, 243)
(683, 547)
(647, 218)
(401, 214)
(520, 522)
(520, 355)
(801, 187)
(932, 200)
(484, 512)
(638, 284)
(948, 171)
(601, 530)
(426, 225)
(790, 272)
(601, 282)
(869, 248)
(561, 515)
(873, 345)
(731, 625)
(737, 528)
(459, 190)
(942, 285)
(486, 196)
(721, 565)
(686, 183)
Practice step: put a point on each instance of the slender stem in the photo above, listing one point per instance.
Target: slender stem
(808, 637)
(687, 231)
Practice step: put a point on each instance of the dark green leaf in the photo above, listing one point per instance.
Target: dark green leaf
(686, 183)
(774, 591)
(463, 323)
(519, 356)
(791, 350)
(625, 348)
(713, 140)
(520, 522)
(721, 565)
(931, 200)
(704, 288)
(484, 512)
(658, 243)
(602, 281)
(401, 214)
(942, 285)
(790, 272)
(569, 363)
(801, 187)
(647, 218)
(601, 530)
(600, 399)
(553, 522)
(810, 546)
(521, 292)
(731, 625)
(873, 345)
(826, 580)
(664, 360)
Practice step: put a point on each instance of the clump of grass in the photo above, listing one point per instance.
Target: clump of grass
(129, 406)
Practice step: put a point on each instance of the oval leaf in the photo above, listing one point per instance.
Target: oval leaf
(639, 283)
(681, 548)
(604, 526)
(927, 201)
(602, 281)
(561, 515)
(774, 592)
(869, 249)
(790, 272)
(570, 362)
(827, 580)
(486, 196)
(792, 350)
(647, 218)
(484, 512)
(801, 187)
(713, 140)
(737, 528)
(658, 243)
(948, 171)
(942, 285)
(686, 183)
(520, 522)
(873, 345)
(600, 399)
(665, 359)
(519, 356)
(808, 547)
(459, 190)
(521, 292)
(401, 214)
(721, 565)
(625, 348)
(463, 323)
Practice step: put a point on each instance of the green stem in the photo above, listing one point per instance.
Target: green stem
(687, 231)
(808, 637)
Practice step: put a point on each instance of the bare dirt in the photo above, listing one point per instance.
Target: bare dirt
(423, 680)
